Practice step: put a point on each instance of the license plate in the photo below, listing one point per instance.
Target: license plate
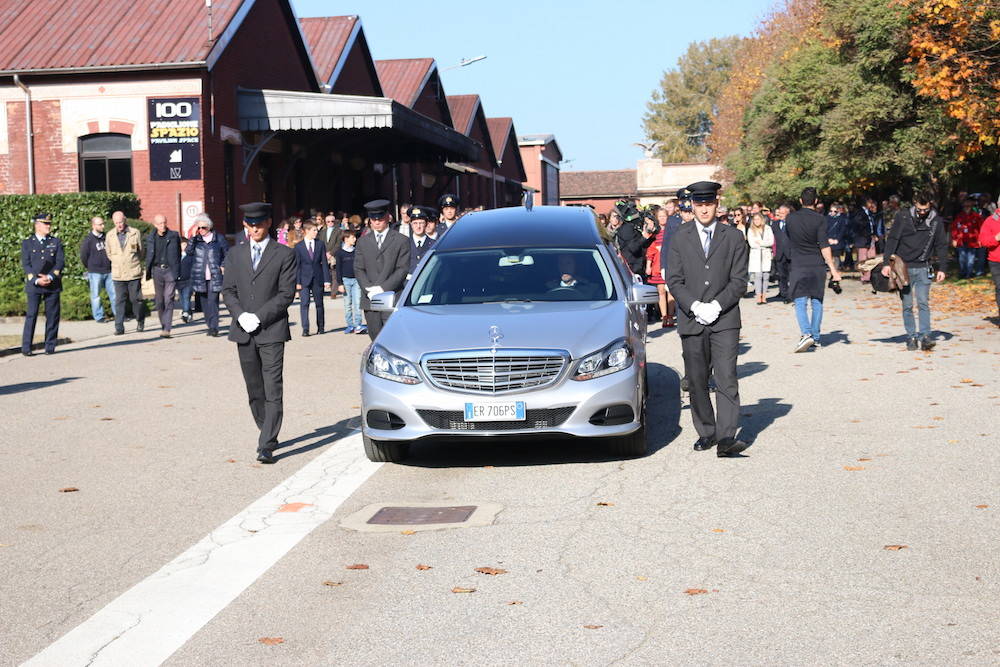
(512, 411)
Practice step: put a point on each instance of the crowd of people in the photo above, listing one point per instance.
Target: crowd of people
(858, 235)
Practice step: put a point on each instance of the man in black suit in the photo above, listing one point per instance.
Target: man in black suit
(420, 243)
(381, 262)
(258, 286)
(163, 266)
(707, 274)
(42, 259)
(782, 258)
(313, 274)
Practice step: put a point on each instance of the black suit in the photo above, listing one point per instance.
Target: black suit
(417, 254)
(782, 258)
(42, 258)
(385, 267)
(266, 292)
(164, 272)
(312, 273)
(710, 349)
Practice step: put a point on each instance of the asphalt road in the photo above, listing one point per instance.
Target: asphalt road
(857, 446)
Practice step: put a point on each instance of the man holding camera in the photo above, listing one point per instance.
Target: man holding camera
(634, 236)
(809, 251)
(917, 234)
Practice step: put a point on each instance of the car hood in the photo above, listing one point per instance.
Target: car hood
(579, 327)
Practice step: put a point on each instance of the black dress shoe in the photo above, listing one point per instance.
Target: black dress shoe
(141, 326)
(29, 353)
(306, 334)
(266, 456)
(730, 447)
(50, 351)
(320, 332)
(214, 333)
(702, 444)
(119, 332)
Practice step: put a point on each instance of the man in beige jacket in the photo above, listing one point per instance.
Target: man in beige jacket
(124, 246)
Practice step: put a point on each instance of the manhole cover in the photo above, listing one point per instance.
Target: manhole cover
(416, 516)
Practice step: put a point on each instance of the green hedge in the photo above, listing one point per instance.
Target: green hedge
(71, 214)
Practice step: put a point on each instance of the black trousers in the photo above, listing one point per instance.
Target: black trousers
(210, 306)
(783, 267)
(995, 272)
(52, 309)
(128, 290)
(308, 293)
(375, 320)
(164, 282)
(262, 366)
(707, 354)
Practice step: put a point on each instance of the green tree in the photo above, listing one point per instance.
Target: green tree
(682, 110)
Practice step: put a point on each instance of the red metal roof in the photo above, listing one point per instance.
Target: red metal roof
(327, 38)
(402, 80)
(463, 110)
(499, 133)
(55, 34)
(617, 183)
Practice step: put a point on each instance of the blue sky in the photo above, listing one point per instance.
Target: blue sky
(580, 70)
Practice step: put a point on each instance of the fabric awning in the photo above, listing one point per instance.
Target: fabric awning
(276, 110)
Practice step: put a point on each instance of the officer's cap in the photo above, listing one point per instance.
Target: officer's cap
(683, 195)
(704, 191)
(256, 212)
(377, 208)
(43, 217)
(685, 205)
(422, 213)
(448, 200)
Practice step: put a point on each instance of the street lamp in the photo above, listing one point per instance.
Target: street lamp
(465, 62)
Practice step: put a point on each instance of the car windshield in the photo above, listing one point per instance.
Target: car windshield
(512, 275)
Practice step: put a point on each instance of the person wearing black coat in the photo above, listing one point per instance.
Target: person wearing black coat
(312, 275)
(632, 243)
(868, 233)
(43, 260)
(782, 257)
(163, 266)
(207, 251)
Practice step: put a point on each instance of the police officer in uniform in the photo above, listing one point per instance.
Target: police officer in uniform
(449, 212)
(420, 243)
(43, 260)
(381, 262)
(707, 274)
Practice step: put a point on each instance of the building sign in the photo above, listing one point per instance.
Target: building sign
(189, 210)
(174, 139)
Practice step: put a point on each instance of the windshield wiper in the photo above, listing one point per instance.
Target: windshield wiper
(511, 300)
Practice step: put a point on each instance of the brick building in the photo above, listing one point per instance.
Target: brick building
(541, 157)
(205, 107)
(651, 182)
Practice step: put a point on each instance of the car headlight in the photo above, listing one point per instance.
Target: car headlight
(382, 363)
(615, 357)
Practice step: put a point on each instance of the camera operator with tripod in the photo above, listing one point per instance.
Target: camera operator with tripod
(635, 235)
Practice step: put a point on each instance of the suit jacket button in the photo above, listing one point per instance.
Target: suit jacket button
(706, 282)
(706, 266)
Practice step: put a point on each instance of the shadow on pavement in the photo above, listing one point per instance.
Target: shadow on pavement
(750, 368)
(835, 337)
(754, 419)
(663, 417)
(30, 386)
(319, 437)
(901, 338)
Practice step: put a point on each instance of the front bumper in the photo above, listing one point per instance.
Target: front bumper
(586, 397)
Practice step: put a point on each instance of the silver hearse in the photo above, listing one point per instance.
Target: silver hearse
(519, 322)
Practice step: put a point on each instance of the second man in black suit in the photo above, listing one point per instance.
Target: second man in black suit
(163, 266)
(313, 276)
(420, 243)
(707, 274)
(381, 262)
(258, 286)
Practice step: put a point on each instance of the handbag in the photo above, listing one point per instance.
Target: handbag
(899, 276)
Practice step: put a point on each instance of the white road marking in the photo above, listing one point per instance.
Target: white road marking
(147, 624)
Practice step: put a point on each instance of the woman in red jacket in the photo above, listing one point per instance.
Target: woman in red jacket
(965, 238)
(653, 273)
(989, 238)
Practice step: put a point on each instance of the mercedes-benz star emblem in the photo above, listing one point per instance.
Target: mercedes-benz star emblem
(495, 335)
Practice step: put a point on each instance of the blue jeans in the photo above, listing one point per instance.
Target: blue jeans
(96, 281)
(352, 303)
(186, 288)
(966, 261)
(809, 327)
(920, 284)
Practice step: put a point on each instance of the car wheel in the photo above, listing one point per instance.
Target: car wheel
(632, 445)
(382, 451)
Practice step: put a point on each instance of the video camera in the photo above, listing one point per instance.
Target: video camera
(631, 214)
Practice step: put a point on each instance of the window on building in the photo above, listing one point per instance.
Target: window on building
(105, 163)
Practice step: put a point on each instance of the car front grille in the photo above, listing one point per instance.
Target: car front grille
(454, 420)
(482, 372)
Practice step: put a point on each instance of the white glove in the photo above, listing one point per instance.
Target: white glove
(696, 310)
(373, 290)
(249, 322)
(711, 311)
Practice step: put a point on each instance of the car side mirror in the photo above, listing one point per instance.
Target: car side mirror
(384, 302)
(643, 294)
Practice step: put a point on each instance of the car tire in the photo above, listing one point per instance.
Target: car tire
(632, 445)
(381, 451)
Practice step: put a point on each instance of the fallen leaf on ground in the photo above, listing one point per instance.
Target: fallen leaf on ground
(864, 459)
(230, 460)
(107, 419)
(59, 419)
(68, 489)
(333, 583)
(293, 507)
(603, 504)
(695, 591)
(492, 571)
(937, 419)
(168, 405)
(407, 532)
(459, 589)
(967, 381)
(981, 507)
(854, 468)
(164, 386)
(423, 567)
(952, 442)
(895, 547)
(642, 578)
(593, 627)
(718, 530)
(357, 566)
(514, 602)
(271, 641)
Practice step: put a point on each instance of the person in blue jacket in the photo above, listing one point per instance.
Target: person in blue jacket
(312, 276)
